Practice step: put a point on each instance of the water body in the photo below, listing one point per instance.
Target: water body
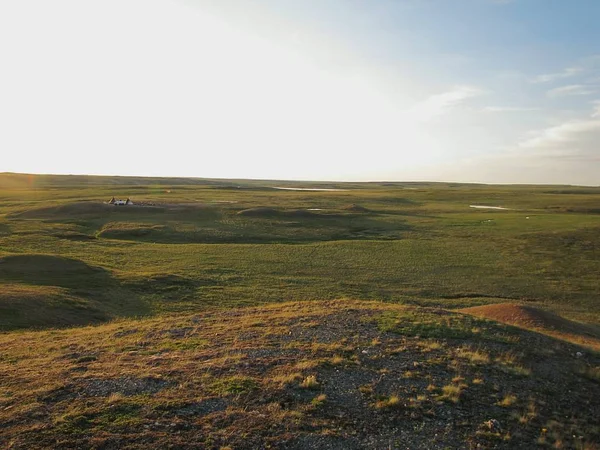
(489, 207)
(308, 189)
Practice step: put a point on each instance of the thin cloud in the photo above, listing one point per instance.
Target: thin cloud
(439, 104)
(596, 112)
(548, 77)
(572, 89)
(502, 109)
(570, 133)
(566, 154)
(575, 140)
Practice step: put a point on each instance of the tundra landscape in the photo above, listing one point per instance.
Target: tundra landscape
(245, 314)
(299, 225)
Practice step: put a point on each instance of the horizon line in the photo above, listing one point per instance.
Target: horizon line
(289, 180)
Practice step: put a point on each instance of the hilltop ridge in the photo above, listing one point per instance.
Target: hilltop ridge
(329, 374)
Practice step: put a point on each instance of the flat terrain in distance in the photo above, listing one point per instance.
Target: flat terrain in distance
(236, 313)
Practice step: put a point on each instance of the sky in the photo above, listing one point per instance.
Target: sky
(492, 91)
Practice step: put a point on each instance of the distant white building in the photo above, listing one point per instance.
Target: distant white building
(114, 201)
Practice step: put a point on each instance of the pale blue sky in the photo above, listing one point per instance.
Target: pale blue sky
(454, 90)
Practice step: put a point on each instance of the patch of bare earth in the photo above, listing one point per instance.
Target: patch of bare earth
(312, 375)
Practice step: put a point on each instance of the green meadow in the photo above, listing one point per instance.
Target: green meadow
(69, 258)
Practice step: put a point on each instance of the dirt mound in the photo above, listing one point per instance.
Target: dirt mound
(530, 317)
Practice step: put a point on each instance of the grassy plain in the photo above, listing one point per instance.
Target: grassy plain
(222, 243)
(231, 314)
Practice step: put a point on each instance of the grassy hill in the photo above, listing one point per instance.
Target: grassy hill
(335, 375)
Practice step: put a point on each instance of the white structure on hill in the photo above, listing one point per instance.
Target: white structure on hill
(116, 202)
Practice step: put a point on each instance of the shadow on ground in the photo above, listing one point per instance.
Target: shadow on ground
(45, 290)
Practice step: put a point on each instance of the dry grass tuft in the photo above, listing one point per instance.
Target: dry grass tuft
(451, 393)
(366, 389)
(509, 362)
(473, 356)
(318, 400)
(428, 346)
(308, 364)
(508, 400)
(310, 382)
(393, 401)
(286, 379)
(337, 360)
(528, 415)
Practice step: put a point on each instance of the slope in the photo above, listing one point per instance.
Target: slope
(324, 374)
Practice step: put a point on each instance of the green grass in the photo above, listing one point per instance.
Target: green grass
(425, 324)
(192, 248)
(235, 385)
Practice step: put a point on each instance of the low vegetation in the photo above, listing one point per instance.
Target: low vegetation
(264, 378)
(208, 315)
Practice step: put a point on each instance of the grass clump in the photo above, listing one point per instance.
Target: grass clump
(509, 362)
(235, 385)
(310, 382)
(319, 400)
(393, 401)
(528, 415)
(119, 416)
(473, 356)
(429, 346)
(451, 393)
(74, 423)
(366, 389)
(337, 360)
(287, 378)
(308, 364)
(508, 400)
